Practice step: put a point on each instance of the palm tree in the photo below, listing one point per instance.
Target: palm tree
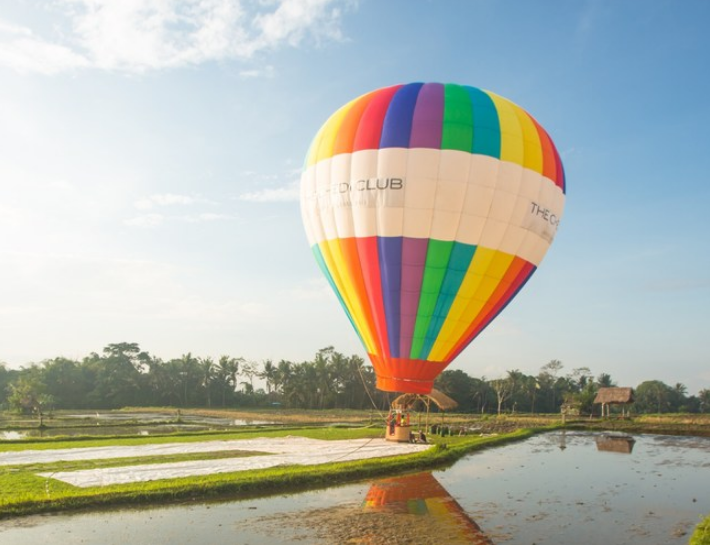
(190, 374)
(227, 375)
(207, 368)
(282, 374)
(268, 375)
(548, 376)
(604, 381)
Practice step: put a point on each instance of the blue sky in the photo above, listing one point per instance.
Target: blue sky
(150, 153)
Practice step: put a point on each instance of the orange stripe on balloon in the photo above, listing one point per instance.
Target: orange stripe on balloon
(351, 261)
(345, 134)
(413, 376)
(335, 262)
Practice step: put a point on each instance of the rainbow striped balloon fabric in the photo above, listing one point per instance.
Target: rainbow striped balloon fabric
(428, 206)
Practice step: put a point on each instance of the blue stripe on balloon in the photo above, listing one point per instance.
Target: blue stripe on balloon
(397, 126)
(486, 124)
(459, 261)
(390, 253)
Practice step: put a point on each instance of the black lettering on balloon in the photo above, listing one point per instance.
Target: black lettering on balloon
(545, 213)
(365, 184)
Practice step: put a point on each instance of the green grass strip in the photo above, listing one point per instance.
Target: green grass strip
(22, 492)
(701, 535)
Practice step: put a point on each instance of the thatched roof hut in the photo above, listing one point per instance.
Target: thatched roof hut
(440, 399)
(407, 402)
(614, 396)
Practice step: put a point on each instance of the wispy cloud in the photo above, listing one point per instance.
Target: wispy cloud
(205, 217)
(165, 199)
(288, 193)
(262, 72)
(24, 52)
(155, 220)
(159, 209)
(146, 220)
(140, 35)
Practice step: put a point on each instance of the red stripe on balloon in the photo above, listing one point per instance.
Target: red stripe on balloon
(369, 129)
(370, 264)
(549, 160)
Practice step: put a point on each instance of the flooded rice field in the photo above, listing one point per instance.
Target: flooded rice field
(125, 423)
(555, 488)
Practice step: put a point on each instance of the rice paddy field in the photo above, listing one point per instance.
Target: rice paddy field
(239, 452)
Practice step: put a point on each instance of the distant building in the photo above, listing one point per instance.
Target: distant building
(614, 396)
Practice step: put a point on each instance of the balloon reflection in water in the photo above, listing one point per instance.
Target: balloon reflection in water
(427, 507)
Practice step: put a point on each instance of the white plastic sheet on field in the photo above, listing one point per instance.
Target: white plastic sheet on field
(282, 451)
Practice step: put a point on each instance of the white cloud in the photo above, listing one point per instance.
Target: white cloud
(154, 220)
(287, 193)
(140, 35)
(205, 217)
(146, 220)
(293, 18)
(314, 289)
(23, 52)
(263, 72)
(165, 199)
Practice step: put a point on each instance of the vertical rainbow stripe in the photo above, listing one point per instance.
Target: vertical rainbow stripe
(439, 116)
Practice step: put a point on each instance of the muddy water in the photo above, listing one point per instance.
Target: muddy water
(559, 488)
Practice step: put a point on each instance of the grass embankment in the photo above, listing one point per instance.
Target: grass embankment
(701, 536)
(23, 492)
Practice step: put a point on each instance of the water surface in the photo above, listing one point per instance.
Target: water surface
(555, 488)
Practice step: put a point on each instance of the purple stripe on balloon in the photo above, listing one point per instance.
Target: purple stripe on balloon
(390, 254)
(428, 122)
(413, 259)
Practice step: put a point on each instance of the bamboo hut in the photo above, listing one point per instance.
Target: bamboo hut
(408, 402)
(614, 396)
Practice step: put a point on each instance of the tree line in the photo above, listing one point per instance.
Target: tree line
(123, 375)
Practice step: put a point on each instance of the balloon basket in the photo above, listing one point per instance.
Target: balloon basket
(401, 434)
(398, 428)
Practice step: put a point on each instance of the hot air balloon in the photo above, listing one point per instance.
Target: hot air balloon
(428, 206)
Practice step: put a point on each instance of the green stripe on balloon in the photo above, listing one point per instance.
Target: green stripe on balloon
(437, 259)
(458, 119)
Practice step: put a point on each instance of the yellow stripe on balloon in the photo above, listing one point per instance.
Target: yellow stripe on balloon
(531, 140)
(337, 266)
(484, 273)
(511, 135)
(322, 147)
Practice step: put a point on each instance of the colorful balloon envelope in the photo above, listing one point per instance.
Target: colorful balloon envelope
(428, 206)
